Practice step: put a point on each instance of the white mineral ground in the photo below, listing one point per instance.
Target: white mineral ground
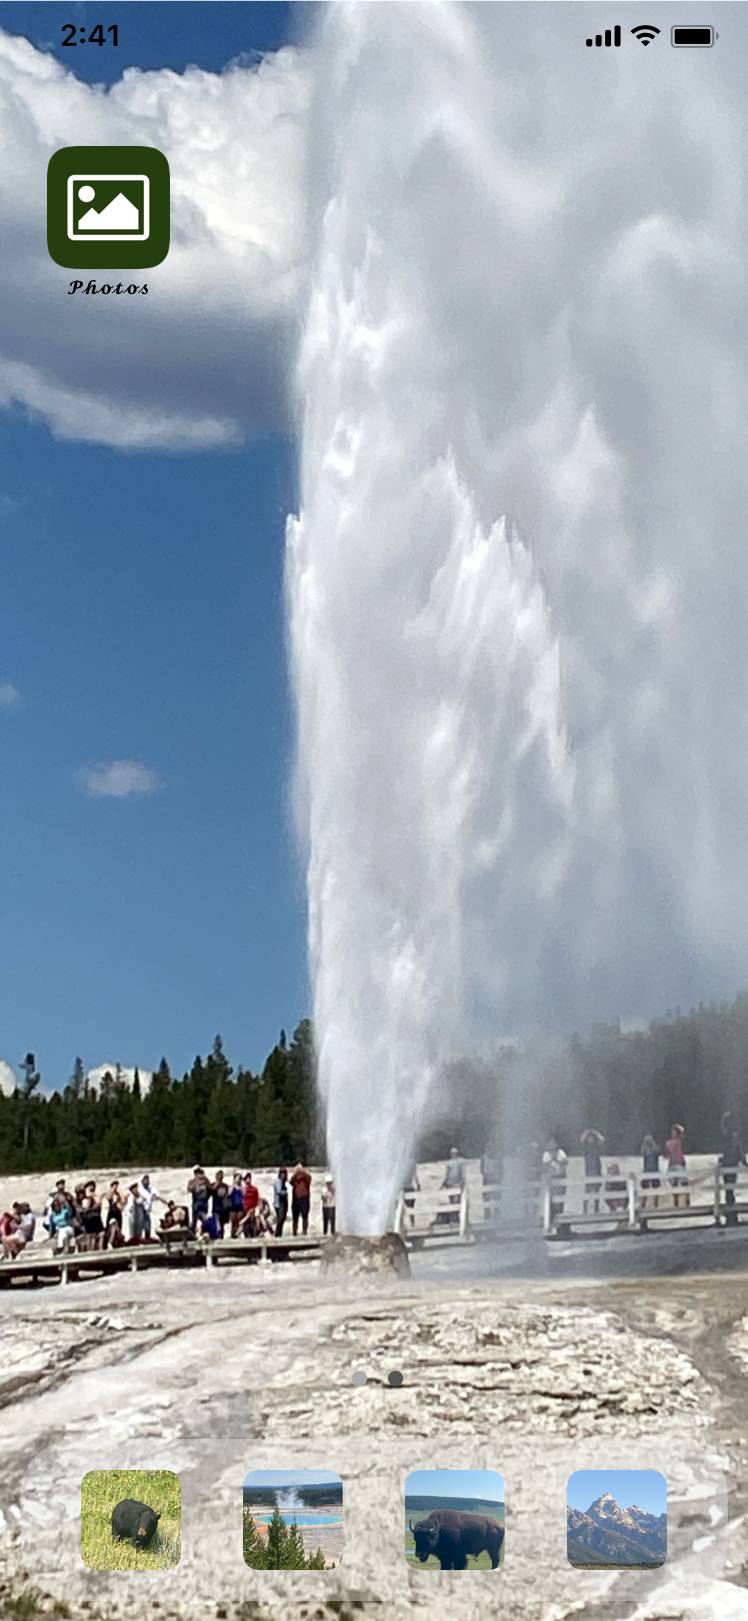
(214, 1372)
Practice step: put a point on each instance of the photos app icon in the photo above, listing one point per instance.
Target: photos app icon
(108, 207)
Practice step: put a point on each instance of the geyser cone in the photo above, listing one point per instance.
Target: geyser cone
(349, 1253)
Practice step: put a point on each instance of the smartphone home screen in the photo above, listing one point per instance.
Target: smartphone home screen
(373, 1005)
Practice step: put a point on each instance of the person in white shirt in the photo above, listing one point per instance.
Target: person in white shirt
(328, 1206)
(555, 1163)
(136, 1216)
(149, 1195)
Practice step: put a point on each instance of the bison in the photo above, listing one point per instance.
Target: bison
(131, 1519)
(450, 1536)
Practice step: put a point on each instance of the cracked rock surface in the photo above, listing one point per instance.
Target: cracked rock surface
(214, 1372)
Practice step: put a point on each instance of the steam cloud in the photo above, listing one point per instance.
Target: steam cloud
(518, 585)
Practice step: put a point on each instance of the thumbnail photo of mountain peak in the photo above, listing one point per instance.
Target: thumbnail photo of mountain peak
(607, 1526)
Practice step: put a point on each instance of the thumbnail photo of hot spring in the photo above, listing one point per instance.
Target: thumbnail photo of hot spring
(292, 1519)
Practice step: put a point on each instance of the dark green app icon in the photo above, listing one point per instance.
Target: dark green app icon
(108, 207)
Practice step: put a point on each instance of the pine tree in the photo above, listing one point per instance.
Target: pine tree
(158, 1118)
(78, 1079)
(255, 1552)
(276, 1542)
(295, 1558)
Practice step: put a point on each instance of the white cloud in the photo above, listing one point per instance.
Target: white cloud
(126, 1074)
(118, 779)
(9, 695)
(8, 1078)
(199, 361)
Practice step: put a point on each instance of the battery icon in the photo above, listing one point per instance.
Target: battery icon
(694, 37)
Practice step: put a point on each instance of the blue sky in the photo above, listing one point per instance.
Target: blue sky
(291, 1477)
(153, 35)
(484, 1484)
(647, 1488)
(141, 620)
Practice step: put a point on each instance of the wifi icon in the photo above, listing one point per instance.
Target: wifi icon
(645, 33)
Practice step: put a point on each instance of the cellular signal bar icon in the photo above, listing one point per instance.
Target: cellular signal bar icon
(614, 39)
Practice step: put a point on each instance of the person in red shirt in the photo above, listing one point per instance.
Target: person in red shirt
(251, 1195)
(301, 1183)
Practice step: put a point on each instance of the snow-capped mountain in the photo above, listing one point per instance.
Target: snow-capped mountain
(607, 1533)
(607, 1511)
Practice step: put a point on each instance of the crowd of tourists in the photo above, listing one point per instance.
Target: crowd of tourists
(219, 1206)
(605, 1187)
(89, 1218)
(661, 1167)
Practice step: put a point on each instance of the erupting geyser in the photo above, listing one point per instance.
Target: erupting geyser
(518, 583)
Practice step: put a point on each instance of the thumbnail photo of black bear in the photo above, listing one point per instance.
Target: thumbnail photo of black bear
(454, 1519)
(131, 1519)
(616, 1518)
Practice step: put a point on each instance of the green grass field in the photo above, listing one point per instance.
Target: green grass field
(101, 1490)
(482, 1562)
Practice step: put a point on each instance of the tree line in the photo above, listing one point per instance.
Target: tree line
(281, 1549)
(685, 1066)
(210, 1115)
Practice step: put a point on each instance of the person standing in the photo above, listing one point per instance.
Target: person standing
(675, 1154)
(60, 1223)
(411, 1186)
(251, 1196)
(113, 1216)
(301, 1185)
(730, 1158)
(135, 1216)
(491, 1172)
(90, 1214)
(454, 1175)
(149, 1195)
(221, 1202)
(280, 1200)
(328, 1206)
(453, 1181)
(198, 1188)
(592, 1142)
(555, 1162)
(236, 1201)
(650, 1171)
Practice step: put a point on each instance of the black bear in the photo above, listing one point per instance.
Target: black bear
(134, 1520)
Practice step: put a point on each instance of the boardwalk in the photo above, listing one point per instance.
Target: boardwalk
(38, 1266)
(434, 1217)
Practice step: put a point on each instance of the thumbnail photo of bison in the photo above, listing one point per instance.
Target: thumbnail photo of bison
(131, 1519)
(454, 1519)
